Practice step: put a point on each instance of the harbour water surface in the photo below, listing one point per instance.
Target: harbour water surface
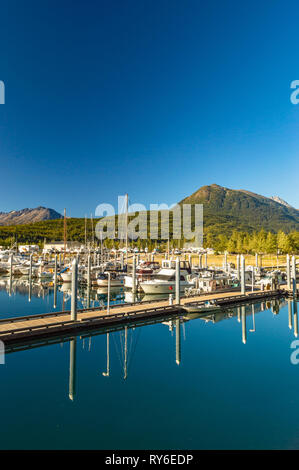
(223, 382)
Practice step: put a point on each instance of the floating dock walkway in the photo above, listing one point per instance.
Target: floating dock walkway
(20, 329)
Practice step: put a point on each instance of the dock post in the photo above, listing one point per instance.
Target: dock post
(108, 293)
(294, 276)
(10, 276)
(190, 261)
(288, 272)
(55, 269)
(134, 275)
(72, 376)
(225, 262)
(244, 337)
(200, 261)
(30, 278)
(238, 267)
(30, 268)
(177, 281)
(55, 282)
(122, 261)
(252, 279)
(206, 260)
(74, 289)
(256, 260)
(178, 341)
(243, 288)
(10, 266)
(88, 269)
(88, 297)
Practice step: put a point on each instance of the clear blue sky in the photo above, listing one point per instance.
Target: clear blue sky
(153, 98)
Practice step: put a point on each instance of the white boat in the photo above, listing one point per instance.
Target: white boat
(164, 281)
(115, 281)
(144, 271)
(66, 276)
(211, 283)
(24, 270)
(128, 280)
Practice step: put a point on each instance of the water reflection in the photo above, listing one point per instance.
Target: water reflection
(295, 315)
(122, 340)
(72, 379)
(107, 372)
(244, 333)
(125, 338)
(88, 297)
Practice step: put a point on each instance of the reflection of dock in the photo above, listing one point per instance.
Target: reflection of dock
(45, 325)
(245, 312)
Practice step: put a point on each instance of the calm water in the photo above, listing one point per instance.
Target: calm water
(210, 390)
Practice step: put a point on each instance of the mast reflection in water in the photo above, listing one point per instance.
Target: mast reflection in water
(221, 381)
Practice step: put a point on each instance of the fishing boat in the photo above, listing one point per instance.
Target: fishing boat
(212, 282)
(147, 267)
(164, 281)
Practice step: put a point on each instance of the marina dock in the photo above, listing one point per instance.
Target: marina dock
(20, 329)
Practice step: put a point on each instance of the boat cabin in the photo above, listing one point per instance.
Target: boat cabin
(171, 264)
(208, 285)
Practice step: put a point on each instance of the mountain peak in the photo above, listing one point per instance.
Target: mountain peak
(281, 201)
(243, 210)
(27, 216)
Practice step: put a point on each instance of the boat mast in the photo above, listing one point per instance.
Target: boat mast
(92, 233)
(85, 231)
(127, 203)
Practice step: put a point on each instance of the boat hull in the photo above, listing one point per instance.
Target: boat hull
(113, 282)
(165, 288)
(66, 277)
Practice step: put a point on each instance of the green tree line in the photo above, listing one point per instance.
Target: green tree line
(256, 242)
(232, 241)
